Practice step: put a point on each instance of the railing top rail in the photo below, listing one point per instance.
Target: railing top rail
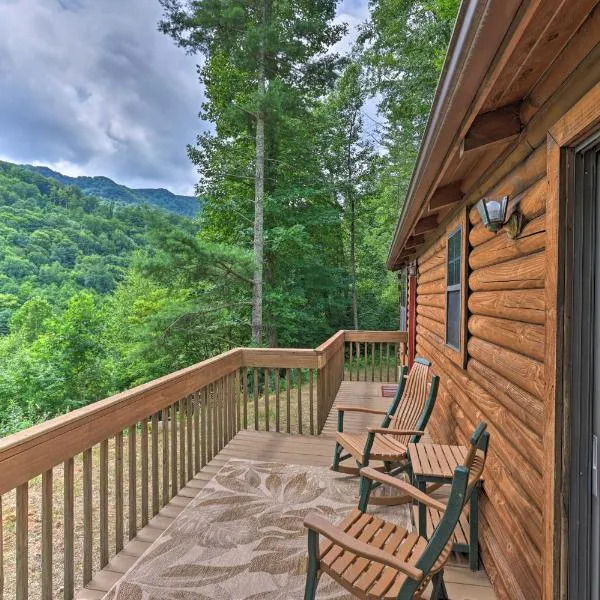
(32, 451)
(280, 358)
(332, 343)
(376, 336)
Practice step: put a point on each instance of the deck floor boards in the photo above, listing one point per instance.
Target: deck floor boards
(462, 583)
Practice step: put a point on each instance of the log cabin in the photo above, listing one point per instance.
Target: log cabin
(506, 310)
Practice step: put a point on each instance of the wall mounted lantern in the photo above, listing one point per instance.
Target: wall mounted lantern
(493, 216)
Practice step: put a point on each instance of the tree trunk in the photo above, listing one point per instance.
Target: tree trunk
(353, 259)
(352, 201)
(259, 195)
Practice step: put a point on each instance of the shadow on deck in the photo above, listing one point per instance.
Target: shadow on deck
(462, 583)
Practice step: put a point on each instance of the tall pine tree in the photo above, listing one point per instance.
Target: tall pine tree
(264, 62)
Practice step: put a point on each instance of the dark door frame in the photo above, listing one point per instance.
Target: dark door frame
(578, 124)
(581, 304)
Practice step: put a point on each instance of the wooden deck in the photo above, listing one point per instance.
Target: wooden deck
(462, 584)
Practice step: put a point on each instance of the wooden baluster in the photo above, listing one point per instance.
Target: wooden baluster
(277, 401)
(190, 437)
(226, 410)
(350, 361)
(132, 460)
(256, 399)
(69, 531)
(214, 410)
(380, 361)
(373, 356)
(196, 408)
(181, 410)
(387, 361)
(165, 456)
(155, 468)
(1, 552)
(213, 421)
(366, 360)
(245, 393)
(88, 523)
(311, 400)
(230, 392)
(145, 468)
(266, 378)
(204, 447)
(237, 397)
(104, 557)
(173, 417)
(47, 507)
(220, 413)
(219, 407)
(357, 361)
(22, 539)
(119, 492)
(395, 347)
(299, 382)
(288, 396)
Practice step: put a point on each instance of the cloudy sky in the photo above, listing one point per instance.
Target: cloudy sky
(90, 87)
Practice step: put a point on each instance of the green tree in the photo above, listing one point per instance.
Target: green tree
(349, 158)
(264, 60)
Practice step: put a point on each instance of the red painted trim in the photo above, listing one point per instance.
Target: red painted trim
(412, 319)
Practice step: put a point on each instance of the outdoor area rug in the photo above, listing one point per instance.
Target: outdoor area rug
(242, 537)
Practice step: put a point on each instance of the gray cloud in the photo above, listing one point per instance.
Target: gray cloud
(91, 87)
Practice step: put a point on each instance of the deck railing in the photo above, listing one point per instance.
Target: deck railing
(73, 490)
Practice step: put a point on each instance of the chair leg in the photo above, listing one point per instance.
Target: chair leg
(312, 579)
(336, 457)
(365, 493)
(439, 587)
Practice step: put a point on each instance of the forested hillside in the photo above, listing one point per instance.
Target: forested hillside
(301, 184)
(103, 187)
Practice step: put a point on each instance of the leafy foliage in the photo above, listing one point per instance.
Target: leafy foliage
(100, 292)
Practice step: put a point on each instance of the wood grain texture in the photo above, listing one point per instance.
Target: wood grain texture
(554, 347)
(578, 47)
(501, 248)
(527, 272)
(527, 306)
(520, 337)
(523, 371)
(526, 407)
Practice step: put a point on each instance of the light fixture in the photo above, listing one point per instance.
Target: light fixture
(493, 216)
(492, 212)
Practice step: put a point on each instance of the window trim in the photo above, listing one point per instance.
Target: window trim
(456, 287)
(459, 223)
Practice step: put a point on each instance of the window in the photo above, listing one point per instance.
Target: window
(454, 289)
(456, 286)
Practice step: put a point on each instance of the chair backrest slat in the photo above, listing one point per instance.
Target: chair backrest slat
(414, 399)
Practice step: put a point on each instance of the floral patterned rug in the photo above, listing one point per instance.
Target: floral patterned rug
(242, 537)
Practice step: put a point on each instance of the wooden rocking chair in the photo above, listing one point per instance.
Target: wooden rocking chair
(403, 423)
(374, 559)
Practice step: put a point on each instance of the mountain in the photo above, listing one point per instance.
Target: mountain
(103, 187)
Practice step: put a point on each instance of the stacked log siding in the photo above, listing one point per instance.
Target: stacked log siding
(503, 382)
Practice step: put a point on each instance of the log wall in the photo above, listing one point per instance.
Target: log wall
(503, 382)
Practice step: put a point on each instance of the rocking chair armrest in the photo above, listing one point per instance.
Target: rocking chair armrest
(347, 542)
(363, 409)
(395, 431)
(403, 486)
